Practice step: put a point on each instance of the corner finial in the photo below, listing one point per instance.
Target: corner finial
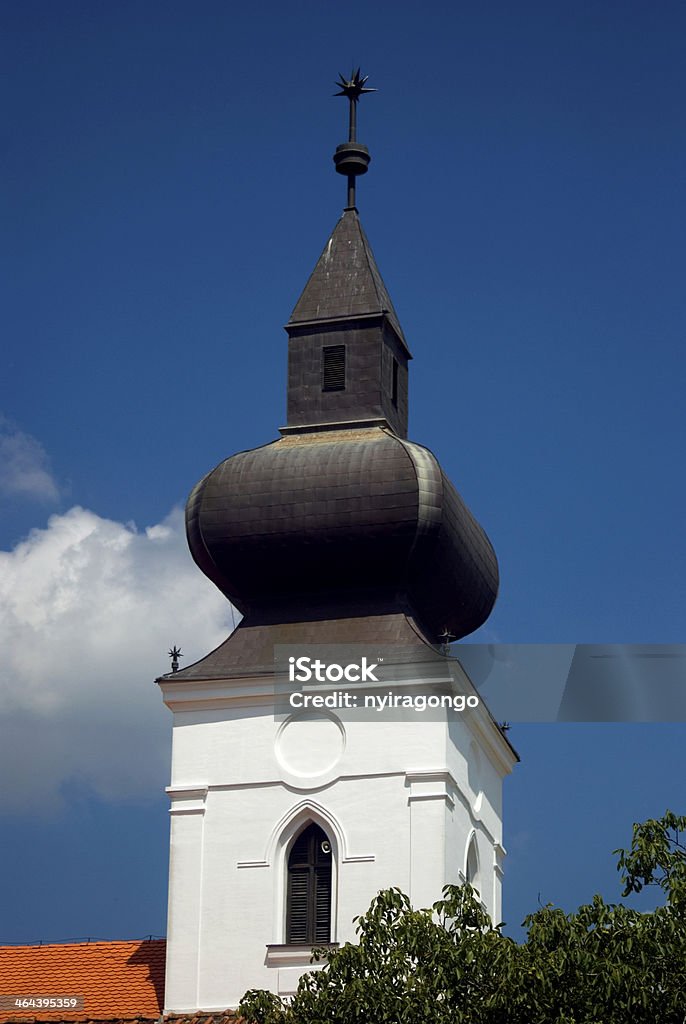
(175, 653)
(352, 158)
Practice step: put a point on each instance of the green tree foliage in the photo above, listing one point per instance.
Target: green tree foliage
(604, 964)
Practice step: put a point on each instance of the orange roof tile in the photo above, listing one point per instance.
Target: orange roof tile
(123, 980)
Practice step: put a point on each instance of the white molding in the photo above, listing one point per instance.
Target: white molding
(298, 814)
(299, 955)
(187, 799)
(499, 854)
(431, 784)
(200, 694)
(430, 775)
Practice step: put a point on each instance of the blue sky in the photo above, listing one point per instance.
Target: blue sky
(168, 187)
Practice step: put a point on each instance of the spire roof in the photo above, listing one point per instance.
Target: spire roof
(346, 282)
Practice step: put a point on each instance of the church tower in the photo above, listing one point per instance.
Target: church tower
(287, 818)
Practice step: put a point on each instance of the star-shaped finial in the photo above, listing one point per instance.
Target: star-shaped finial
(352, 87)
(175, 654)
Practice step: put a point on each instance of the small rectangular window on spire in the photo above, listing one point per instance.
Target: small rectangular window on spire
(394, 383)
(333, 368)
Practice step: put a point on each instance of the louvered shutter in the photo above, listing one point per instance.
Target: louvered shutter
(298, 899)
(322, 903)
(333, 368)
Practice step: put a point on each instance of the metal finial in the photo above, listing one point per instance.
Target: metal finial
(350, 157)
(353, 88)
(446, 639)
(175, 653)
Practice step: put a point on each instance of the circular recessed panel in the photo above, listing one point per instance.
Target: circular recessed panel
(310, 744)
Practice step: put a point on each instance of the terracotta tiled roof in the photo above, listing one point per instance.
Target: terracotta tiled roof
(120, 981)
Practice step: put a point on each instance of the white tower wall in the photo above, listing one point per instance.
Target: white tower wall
(400, 802)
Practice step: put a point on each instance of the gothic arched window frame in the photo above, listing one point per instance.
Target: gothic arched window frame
(472, 867)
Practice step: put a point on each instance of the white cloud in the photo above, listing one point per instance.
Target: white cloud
(24, 465)
(88, 610)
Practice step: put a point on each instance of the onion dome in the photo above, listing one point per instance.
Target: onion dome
(338, 522)
(342, 517)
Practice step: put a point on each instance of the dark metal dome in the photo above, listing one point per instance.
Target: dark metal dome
(353, 518)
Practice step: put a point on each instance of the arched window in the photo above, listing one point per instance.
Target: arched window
(472, 872)
(308, 911)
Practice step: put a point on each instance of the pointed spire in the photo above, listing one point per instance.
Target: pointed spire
(346, 282)
(347, 354)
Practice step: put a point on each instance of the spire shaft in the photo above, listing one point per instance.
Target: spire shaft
(351, 158)
(351, 192)
(352, 121)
